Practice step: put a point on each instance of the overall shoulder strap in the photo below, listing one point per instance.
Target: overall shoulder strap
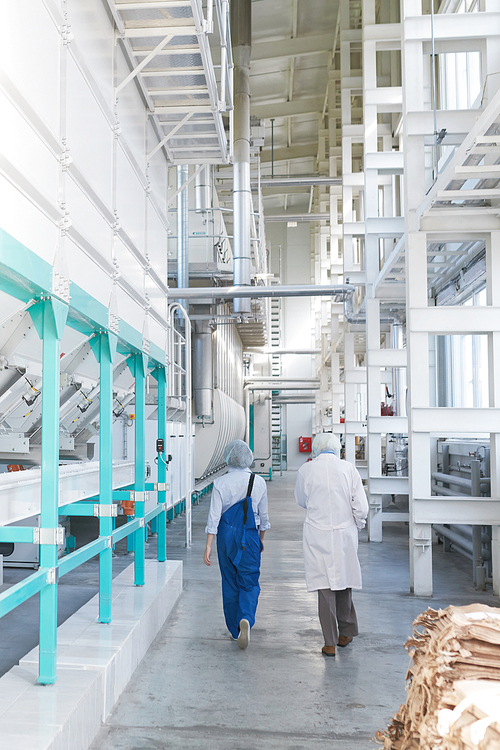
(249, 494)
(250, 485)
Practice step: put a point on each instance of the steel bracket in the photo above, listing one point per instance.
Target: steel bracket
(105, 511)
(52, 576)
(139, 497)
(48, 536)
(424, 543)
(109, 542)
(142, 522)
(161, 486)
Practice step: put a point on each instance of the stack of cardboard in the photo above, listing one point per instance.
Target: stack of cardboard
(453, 682)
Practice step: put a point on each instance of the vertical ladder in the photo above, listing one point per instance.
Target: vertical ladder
(276, 427)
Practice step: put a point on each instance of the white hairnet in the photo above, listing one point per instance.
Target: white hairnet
(238, 455)
(326, 441)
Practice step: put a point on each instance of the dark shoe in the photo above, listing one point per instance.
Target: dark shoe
(344, 640)
(328, 650)
(244, 636)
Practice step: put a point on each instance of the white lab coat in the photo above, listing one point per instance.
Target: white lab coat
(332, 493)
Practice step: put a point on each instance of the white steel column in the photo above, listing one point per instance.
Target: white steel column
(493, 298)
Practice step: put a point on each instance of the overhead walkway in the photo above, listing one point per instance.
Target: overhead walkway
(195, 689)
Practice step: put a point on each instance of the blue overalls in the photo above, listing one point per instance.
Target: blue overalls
(238, 550)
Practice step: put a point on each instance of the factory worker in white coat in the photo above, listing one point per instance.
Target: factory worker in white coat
(332, 493)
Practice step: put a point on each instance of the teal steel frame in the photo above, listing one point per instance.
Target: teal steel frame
(26, 276)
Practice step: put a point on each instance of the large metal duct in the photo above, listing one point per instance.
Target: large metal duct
(202, 376)
(241, 35)
(211, 439)
(203, 190)
(183, 232)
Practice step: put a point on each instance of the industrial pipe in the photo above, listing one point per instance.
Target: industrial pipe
(457, 539)
(340, 291)
(299, 218)
(203, 190)
(183, 232)
(446, 491)
(241, 35)
(298, 387)
(278, 379)
(483, 484)
(298, 181)
(249, 350)
(360, 319)
(203, 368)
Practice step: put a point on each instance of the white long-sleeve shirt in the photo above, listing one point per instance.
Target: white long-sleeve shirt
(232, 487)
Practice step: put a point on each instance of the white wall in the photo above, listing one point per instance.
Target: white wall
(74, 174)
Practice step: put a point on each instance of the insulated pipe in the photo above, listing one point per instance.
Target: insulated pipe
(183, 232)
(203, 190)
(241, 35)
(203, 364)
(295, 290)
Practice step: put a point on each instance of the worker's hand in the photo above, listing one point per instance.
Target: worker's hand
(206, 556)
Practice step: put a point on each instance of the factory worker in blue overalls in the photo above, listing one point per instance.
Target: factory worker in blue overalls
(238, 516)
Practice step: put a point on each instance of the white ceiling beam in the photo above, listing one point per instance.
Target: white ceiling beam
(306, 106)
(301, 45)
(294, 152)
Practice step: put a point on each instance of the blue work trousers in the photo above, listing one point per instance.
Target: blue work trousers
(238, 550)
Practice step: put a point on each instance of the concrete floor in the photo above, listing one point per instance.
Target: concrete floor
(195, 689)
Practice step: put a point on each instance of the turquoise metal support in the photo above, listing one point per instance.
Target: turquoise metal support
(140, 365)
(19, 534)
(160, 376)
(22, 591)
(104, 347)
(81, 508)
(49, 317)
(80, 556)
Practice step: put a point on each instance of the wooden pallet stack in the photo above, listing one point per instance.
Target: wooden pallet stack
(453, 683)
